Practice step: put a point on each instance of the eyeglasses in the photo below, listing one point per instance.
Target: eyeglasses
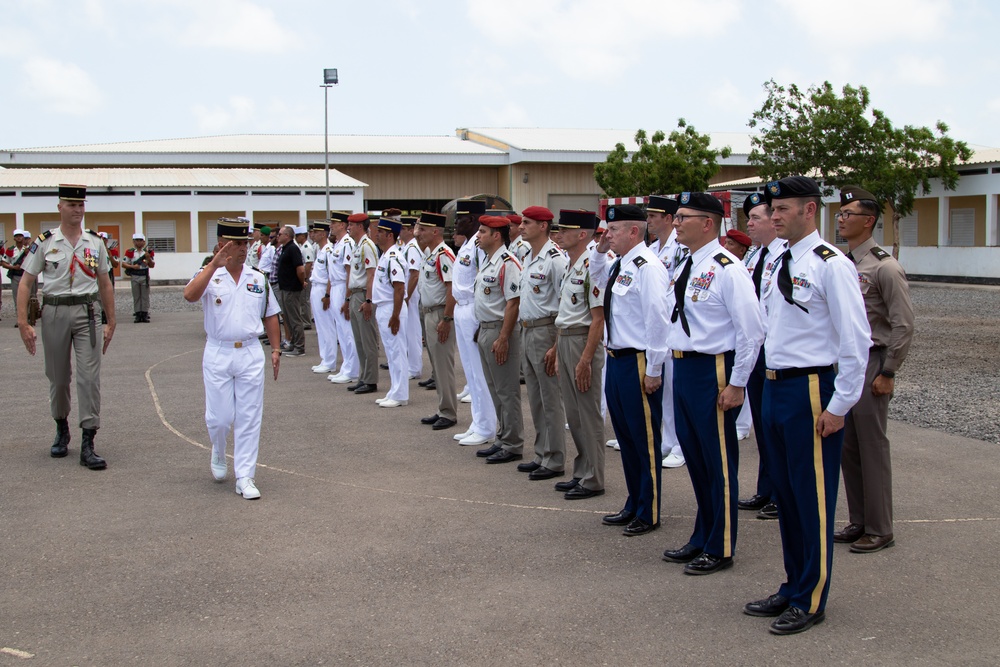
(844, 215)
(682, 218)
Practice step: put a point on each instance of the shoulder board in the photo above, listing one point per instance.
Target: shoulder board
(91, 231)
(44, 235)
(824, 251)
(880, 253)
(443, 250)
(722, 259)
(505, 256)
(253, 270)
(553, 252)
(638, 261)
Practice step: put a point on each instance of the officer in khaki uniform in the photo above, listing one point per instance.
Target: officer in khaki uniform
(438, 311)
(865, 459)
(580, 325)
(496, 305)
(541, 280)
(74, 264)
(360, 281)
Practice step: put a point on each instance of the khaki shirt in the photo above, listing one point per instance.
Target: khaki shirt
(436, 270)
(541, 282)
(578, 296)
(886, 293)
(64, 269)
(364, 256)
(496, 284)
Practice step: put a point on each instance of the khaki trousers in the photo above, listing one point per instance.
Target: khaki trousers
(504, 384)
(544, 398)
(66, 329)
(365, 340)
(443, 363)
(583, 410)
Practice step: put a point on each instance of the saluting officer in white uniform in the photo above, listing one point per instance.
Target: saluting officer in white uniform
(238, 306)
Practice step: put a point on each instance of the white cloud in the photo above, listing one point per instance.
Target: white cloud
(60, 87)
(237, 25)
(884, 20)
(235, 116)
(912, 69)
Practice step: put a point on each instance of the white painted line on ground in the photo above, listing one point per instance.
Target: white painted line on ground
(16, 652)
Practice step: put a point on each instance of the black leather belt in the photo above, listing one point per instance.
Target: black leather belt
(623, 352)
(75, 300)
(690, 354)
(789, 373)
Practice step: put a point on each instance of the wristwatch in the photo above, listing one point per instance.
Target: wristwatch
(368, 300)
(448, 318)
(889, 374)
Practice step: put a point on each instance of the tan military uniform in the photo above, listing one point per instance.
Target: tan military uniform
(865, 459)
(69, 292)
(583, 409)
(496, 283)
(364, 256)
(435, 273)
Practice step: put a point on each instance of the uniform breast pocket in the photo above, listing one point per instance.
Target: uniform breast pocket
(622, 284)
(219, 294)
(53, 260)
(577, 296)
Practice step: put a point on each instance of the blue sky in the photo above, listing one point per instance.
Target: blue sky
(94, 71)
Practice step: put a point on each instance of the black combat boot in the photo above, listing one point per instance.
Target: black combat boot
(62, 439)
(87, 456)
(136, 317)
(145, 316)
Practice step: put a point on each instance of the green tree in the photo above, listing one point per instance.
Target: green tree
(682, 162)
(839, 141)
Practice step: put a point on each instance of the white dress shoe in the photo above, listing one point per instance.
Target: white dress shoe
(380, 401)
(392, 403)
(673, 461)
(465, 392)
(219, 467)
(740, 435)
(612, 443)
(342, 379)
(474, 439)
(246, 488)
(321, 369)
(462, 436)
(467, 399)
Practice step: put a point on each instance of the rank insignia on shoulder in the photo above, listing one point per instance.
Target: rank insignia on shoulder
(723, 260)
(638, 261)
(504, 256)
(553, 252)
(824, 251)
(879, 253)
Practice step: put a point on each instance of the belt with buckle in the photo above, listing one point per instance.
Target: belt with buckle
(74, 300)
(494, 324)
(575, 331)
(430, 309)
(623, 352)
(540, 322)
(237, 344)
(789, 373)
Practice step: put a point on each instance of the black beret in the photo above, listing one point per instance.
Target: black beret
(428, 219)
(577, 219)
(473, 207)
(701, 201)
(624, 212)
(850, 193)
(660, 204)
(791, 188)
(753, 201)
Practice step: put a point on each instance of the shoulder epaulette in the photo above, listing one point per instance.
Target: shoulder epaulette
(44, 235)
(91, 231)
(824, 251)
(880, 253)
(553, 252)
(722, 259)
(505, 256)
(639, 261)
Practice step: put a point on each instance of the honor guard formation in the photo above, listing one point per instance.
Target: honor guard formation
(649, 319)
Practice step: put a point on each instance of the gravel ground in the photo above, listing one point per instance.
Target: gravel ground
(955, 355)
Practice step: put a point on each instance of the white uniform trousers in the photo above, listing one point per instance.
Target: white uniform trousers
(345, 336)
(669, 443)
(484, 416)
(395, 351)
(414, 338)
(744, 420)
(234, 398)
(326, 327)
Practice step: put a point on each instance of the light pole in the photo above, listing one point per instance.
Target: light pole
(329, 79)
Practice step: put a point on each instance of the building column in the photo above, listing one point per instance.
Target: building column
(195, 232)
(303, 218)
(139, 223)
(944, 220)
(824, 222)
(991, 220)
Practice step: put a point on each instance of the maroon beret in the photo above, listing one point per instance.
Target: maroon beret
(357, 217)
(539, 213)
(740, 237)
(494, 221)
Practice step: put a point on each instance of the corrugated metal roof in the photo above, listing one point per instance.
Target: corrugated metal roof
(176, 178)
(591, 140)
(284, 143)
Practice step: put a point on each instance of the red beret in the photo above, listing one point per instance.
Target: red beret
(740, 237)
(357, 217)
(539, 213)
(494, 221)
(514, 218)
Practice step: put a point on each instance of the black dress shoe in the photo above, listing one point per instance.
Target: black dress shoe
(685, 554)
(544, 473)
(639, 527)
(794, 620)
(432, 386)
(384, 367)
(753, 503)
(563, 487)
(852, 532)
(488, 451)
(579, 492)
(430, 420)
(768, 512)
(442, 423)
(707, 564)
(530, 466)
(424, 383)
(623, 518)
(355, 387)
(503, 456)
(366, 389)
(773, 605)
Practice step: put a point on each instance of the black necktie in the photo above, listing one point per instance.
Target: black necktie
(850, 256)
(680, 286)
(785, 280)
(758, 271)
(615, 270)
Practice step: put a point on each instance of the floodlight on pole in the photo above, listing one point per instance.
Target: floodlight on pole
(330, 78)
